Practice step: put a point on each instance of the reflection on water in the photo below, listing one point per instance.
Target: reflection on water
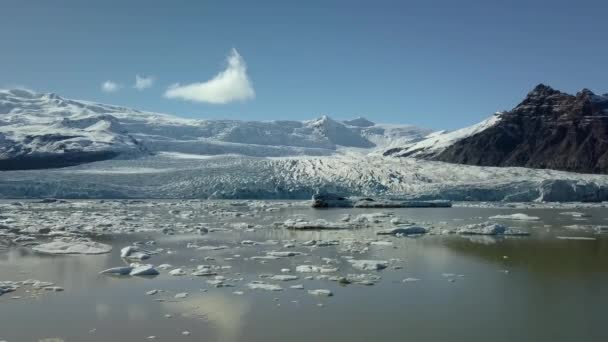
(536, 288)
(223, 311)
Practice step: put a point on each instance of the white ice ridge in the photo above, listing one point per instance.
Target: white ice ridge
(349, 174)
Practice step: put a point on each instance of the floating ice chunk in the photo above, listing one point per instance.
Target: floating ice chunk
(515, 217)
(178, 272)
(410, 280)
(582, 238)
(381, 243)
(250, 243)
(54, 288)
(283, 254)
(264, 257)
(144, 270)
(321, 292)
(601, 229)
(335, 201)
(404, 230)
(211, 248)
(124, 270)
(371, 218)
(73, 246)
(397, 221)
(369, 265)
(361, 279)
(315, 269)
(490, 228)
(319, 224)
(259, 285)
(284, 277)
(134, 253)
(204, 272)
(574, 214)
(181, 295)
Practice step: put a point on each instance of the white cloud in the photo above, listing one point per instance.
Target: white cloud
(110, 87)
(143, 82)
(231, 84)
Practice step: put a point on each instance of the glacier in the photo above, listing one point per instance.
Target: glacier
(182, 176)
(81, 149)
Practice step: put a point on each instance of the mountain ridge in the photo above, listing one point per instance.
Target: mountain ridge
(549, 129)
(46, 130)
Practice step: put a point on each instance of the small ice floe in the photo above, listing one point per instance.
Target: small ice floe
(181, 295)
(515, 217)
(134, 253)
(601, 229)
(315, 269)
(321, 292)
(152, 292)
(250, 243)
(410, 280)
(260, 285)
(283, 254)
(369, 265)
(123, 270)
(178, 272)
(335, 201)
(241, 225)
(490, 228)
(574, 214)
(264, 257)
(211, 248)
(164, 266)
(283, 277)
(297, 287)
(204, 272)
(73, 246)
(582, 238)
(403, 231)
(54, 288)
(588, 227)
(398, 221)
(6, 287)
(326, 243)
(144, 270)
(360, 279)
(371, 218)
(381, 243)
(11, 286)
(319, 224)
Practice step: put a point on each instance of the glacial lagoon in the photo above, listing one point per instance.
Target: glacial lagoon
(258, 277)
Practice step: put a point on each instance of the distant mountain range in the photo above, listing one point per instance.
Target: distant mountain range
(47, 131)
(548, 129)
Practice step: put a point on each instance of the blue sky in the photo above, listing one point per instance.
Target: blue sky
(439, 64)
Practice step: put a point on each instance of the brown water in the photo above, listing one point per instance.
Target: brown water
(554, 289)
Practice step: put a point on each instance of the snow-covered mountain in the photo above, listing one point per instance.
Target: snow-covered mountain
(46, 130)
(437, 142)
(108, 151)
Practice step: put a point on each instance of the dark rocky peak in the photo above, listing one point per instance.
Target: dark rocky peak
(585, 93)
(546, 101)
(542, 90)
